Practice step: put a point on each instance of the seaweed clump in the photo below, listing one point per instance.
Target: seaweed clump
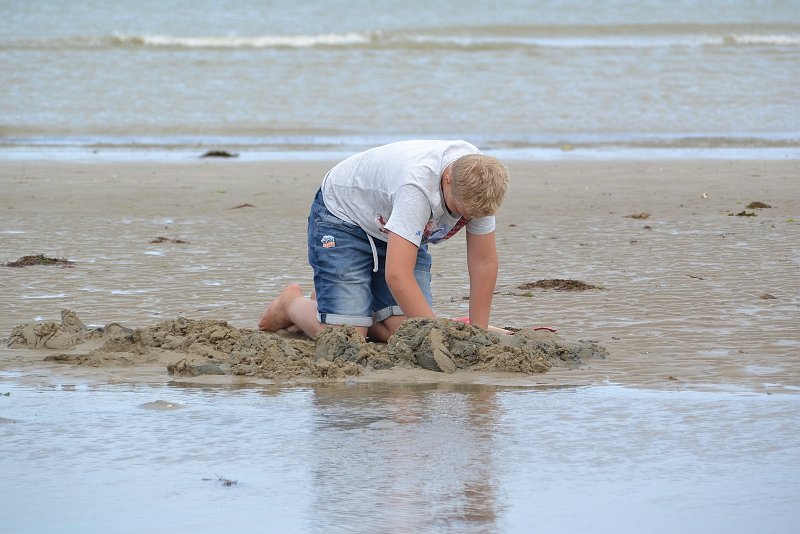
(558, 284)
(38, 259)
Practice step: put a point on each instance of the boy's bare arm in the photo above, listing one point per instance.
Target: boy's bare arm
(401, 257)
(482, 264)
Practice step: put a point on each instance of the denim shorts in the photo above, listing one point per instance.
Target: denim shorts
(349, 291)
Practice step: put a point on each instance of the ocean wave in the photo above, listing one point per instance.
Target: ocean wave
(264, 41)
(753, 39)
(466, 38)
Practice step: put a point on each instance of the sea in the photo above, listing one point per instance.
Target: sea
(558, 79)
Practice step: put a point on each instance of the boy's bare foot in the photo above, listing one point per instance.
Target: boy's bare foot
(276, 316)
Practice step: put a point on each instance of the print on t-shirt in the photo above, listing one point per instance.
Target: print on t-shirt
(433, 236)
(382, 225)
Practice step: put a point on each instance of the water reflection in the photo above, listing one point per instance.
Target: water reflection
(405, 459)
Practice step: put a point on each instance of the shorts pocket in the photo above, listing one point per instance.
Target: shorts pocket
(325, 219)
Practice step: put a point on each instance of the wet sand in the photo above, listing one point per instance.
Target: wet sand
(694, 290)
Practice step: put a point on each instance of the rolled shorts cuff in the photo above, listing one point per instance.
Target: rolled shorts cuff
(331, 318)
(385, 313)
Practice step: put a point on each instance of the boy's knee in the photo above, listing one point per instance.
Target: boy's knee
(393, 323)
(385, 329)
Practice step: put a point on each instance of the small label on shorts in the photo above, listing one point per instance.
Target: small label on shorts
(328, 241)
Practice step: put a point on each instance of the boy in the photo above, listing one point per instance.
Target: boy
(368, 234)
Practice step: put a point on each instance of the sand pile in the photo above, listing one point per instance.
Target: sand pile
(52, 335)
(196, 347)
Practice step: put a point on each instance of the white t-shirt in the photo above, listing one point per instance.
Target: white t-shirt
(397, 187)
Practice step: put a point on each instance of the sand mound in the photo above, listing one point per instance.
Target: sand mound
(50, 334)
(200, 347)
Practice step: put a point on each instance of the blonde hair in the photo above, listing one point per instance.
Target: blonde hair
(479, 184)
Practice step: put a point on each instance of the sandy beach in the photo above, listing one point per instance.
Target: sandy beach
(675, 409)
(694, 288)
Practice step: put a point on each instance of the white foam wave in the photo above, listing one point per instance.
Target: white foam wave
(576, 40)
(756, 39)
(452, 38)
(265, 41)
(605, 41)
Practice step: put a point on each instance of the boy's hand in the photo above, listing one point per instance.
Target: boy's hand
(401, 257)
(495, 329)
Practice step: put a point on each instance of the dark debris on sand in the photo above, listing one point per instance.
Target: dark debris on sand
(162, 239)
(227, 482)
(558, 285)
(38, 259)
(219, 154)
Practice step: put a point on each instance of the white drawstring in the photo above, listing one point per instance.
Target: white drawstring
(374, 254)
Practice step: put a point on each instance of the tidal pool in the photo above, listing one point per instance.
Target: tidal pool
(83, 457)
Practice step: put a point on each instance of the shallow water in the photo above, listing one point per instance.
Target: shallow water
(401, 458)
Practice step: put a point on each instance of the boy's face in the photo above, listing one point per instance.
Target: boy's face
(452, 203)
(459, 209)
